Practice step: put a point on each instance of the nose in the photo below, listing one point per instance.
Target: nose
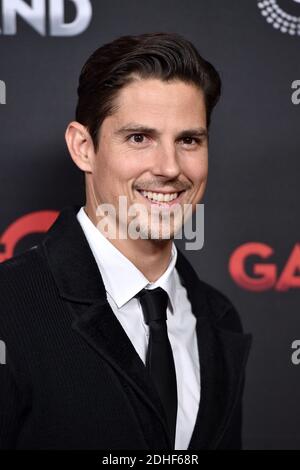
(166, 162)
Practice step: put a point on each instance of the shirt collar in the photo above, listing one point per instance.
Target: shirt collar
(122, 279)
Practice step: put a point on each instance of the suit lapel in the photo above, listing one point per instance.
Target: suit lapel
(223, 357)
(101, 329)
(222, 353)
(80, 284)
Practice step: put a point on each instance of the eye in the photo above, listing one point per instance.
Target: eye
(189, 140)
(137, 138)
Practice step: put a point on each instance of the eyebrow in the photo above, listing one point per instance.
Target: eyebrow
(137, 128)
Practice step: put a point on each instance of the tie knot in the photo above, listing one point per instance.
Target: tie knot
(154, 303)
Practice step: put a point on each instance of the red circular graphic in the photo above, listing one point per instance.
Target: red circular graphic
(34, 222)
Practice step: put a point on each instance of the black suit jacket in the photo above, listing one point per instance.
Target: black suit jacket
(72, 378)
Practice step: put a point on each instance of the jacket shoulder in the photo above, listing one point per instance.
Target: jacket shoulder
(22, 279)
(223, 310)
(28, 261)
(220, 309)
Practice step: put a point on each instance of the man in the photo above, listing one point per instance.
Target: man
(112, 340)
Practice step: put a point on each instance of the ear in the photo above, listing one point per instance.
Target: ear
(80, 145)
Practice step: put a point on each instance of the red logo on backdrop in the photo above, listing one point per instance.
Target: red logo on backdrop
(35, 222)
(266, 272)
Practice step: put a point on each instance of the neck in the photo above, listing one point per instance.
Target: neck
(150, 256)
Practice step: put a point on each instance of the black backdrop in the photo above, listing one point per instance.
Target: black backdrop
(252, 195)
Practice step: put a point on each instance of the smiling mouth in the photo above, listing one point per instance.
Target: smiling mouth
(161, 199)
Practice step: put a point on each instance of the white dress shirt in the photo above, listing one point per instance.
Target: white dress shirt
(122, 281)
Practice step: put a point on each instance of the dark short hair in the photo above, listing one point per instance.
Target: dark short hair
(166, 56)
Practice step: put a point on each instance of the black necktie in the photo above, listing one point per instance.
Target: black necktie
(159, 360)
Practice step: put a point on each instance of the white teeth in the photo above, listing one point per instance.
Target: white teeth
(160, 197)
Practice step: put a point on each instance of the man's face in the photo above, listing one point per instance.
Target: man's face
(155, 142)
